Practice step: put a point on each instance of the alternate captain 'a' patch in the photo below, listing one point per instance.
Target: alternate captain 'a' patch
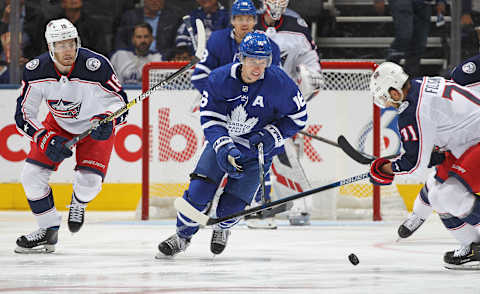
(64, 109)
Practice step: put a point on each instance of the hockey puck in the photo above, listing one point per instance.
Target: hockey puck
(353, 259)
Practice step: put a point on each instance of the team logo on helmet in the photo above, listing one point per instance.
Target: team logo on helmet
(469, 67)
(93, 63)
(64, 109)
(33, 64)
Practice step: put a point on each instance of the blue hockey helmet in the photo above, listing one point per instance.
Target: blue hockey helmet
(243, 7)
(257, 45)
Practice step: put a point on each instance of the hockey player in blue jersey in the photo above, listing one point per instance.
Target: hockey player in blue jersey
(222, 46)
(243, 104)
(79, 87)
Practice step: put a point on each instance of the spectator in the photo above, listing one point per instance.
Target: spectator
(32, 24)
(181, 54)
(128, 63)
(470, 22)
(214, 17)
(91, 33)
(163, 19)
(411, 21)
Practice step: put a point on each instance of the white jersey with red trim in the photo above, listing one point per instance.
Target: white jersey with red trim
(90, 88)
(436, 112)
(296, 44)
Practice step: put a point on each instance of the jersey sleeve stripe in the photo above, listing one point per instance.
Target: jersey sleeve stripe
(204, 68)
(213, 114)
(199, 76)
(213, 123)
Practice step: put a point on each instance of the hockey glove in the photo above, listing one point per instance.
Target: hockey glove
(262, 137)
(377, 176)
(436, 158)
(103, 131)
(52, 145)
(225, 148)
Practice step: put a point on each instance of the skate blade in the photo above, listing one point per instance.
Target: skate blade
(38, 250)
(253, 227)
(160, 255)
(469, 266)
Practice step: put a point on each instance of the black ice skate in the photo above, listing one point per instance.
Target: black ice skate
(410, 225)
(465, 258)
(76, 215)
(173, 245)
(41, 241)
(219, 240)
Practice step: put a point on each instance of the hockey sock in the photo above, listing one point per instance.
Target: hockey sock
(227, 205)
(461, 231)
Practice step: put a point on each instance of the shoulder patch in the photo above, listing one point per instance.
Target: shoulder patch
(93, 63)
(33, 64)
(302, 22)
(469, 67)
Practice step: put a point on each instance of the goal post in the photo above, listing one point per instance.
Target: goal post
(172, 140)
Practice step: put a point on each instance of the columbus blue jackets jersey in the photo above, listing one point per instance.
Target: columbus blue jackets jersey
(235, 109)
(221, 49)
(90, 88)
(467, 73)
(436, 112)
(295, 41)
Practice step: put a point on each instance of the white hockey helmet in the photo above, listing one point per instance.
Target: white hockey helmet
(275, 8)
(388, 75)
(59, 30)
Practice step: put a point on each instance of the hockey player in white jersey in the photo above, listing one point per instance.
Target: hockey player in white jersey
(244, 104)
(301, 62)
(79, 87)
(466, 74)
(434, 111)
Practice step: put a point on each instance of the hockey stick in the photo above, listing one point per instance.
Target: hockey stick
(182, 206)
(261, 175)
(356, 155)
(198, 56)
(188, 24)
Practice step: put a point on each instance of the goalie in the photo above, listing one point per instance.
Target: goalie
(301, 62)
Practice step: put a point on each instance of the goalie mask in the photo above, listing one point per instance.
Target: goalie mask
(256, 45)
(388, 75)
(275, 8)
(60, 30)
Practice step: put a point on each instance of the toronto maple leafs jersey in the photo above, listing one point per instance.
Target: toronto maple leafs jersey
(436, 112)
(467, 73)
(221, 49)
(233, 108)
(295, 41)
(90, 88)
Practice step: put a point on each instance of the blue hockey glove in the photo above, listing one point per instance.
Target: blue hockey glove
(262, 137)
(52, 145)
(103, 131)
(224, 147)
(377, 176)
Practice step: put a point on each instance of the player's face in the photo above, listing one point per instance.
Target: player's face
(253, 68)
(65, 51)
(142, 39)
(397, 96)
(243, 24)
(207, 3)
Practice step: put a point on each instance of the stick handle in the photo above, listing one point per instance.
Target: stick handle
(261, 175)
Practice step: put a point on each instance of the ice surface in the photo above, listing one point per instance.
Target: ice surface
(115, 254)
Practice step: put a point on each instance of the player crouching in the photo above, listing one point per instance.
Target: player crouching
(243, 105)
(79, 87)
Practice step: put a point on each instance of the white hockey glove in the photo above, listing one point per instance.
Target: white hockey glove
(310, 82)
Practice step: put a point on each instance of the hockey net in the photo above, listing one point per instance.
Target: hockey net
(171, 125)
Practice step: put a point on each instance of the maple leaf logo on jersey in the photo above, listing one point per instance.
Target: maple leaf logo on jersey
(237, 122)
(64, 109)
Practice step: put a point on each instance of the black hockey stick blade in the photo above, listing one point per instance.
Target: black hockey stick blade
(182, 206)
(356, 155)
(271, 212)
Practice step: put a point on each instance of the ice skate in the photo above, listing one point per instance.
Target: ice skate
(173, 245)
(76, 215)
(410, 225)
(219, 240)
(40, 241)
(267, 223)
(296, 217)
(464, 258)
